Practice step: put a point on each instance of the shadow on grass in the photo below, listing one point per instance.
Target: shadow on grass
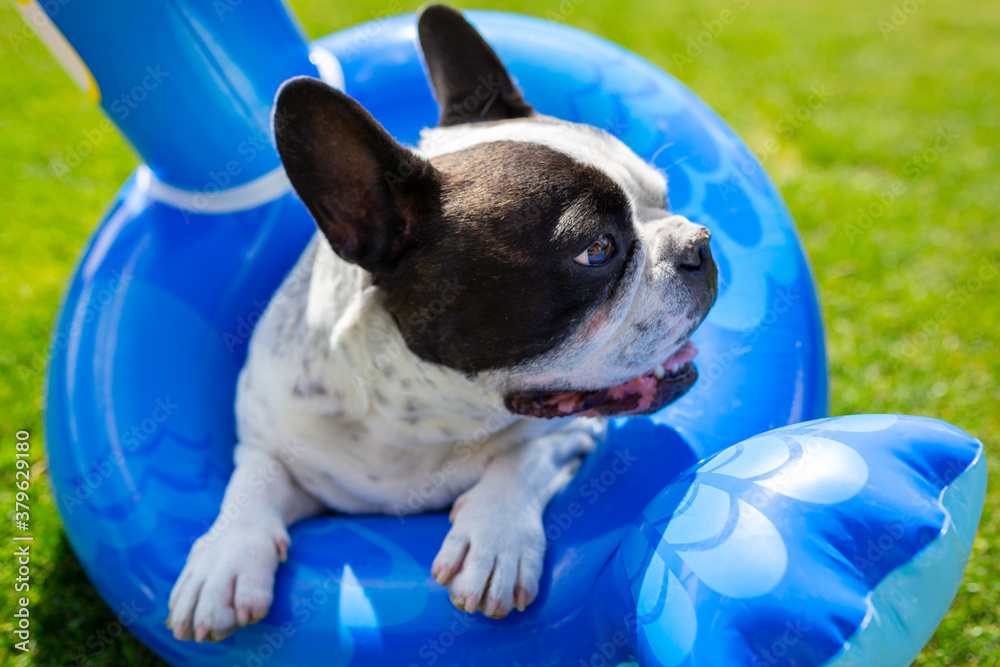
(73, 625)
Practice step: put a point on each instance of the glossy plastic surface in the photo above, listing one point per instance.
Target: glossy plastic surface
(153, 332)
(189, 83)
(843, 537)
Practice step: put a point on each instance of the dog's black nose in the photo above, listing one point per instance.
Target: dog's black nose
(697, 255)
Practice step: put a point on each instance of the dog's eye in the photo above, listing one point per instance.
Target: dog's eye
(599, 253)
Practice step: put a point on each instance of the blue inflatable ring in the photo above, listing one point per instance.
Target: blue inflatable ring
(838, 541)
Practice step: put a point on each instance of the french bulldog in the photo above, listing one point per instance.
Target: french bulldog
(467, 313)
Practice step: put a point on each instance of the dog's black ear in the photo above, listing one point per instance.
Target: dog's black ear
(369, 195)
(469, 81)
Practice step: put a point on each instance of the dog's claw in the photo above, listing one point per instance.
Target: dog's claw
(456, 506)
(522, 598)
(227, 583)
(495, 608)
(488, 562)
(282, 543)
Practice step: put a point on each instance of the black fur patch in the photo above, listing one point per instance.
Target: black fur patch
(492, 282)
(469, 81)
(366, 192)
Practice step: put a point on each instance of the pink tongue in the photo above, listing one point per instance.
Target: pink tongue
(687, 352)
(640, 395)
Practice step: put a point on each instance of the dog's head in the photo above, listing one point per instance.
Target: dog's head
(535, 250)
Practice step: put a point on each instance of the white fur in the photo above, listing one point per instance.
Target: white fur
(333, 410)
(643, 183)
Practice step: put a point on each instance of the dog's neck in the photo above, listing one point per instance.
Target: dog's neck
(361, 356)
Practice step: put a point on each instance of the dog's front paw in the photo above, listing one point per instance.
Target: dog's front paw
(492, 557)
(227, 582)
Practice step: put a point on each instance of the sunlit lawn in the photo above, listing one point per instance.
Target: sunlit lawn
(853, 106)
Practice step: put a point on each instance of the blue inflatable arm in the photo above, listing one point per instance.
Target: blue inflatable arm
(190, 84)
(835, 542)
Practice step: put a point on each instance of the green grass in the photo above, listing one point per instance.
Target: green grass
(911, 330)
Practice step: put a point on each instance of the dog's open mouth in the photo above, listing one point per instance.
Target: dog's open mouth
(641, 395)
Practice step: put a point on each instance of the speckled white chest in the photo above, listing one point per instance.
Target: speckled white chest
(330, 388)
